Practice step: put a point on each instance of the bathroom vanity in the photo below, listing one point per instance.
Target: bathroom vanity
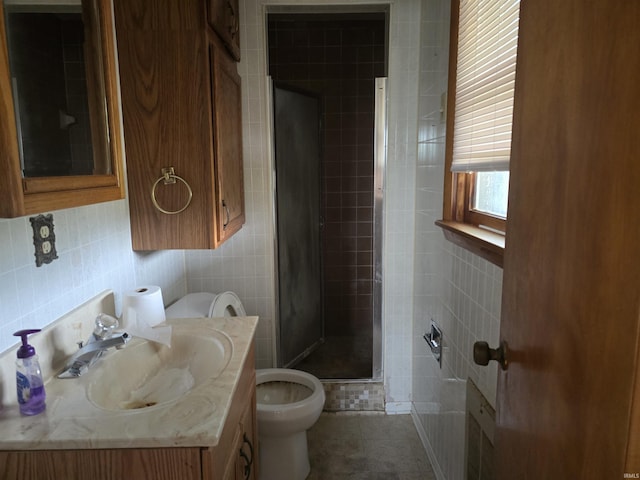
(206, 432)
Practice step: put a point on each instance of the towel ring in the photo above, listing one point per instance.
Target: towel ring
(169, 177)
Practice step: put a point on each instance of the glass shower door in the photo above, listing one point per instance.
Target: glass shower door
(297, 158)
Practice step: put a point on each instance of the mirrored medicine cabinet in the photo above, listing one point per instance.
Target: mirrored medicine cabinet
(60, 137)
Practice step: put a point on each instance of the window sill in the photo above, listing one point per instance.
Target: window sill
(486, 244)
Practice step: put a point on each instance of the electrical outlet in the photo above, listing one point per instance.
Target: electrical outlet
(44, 239)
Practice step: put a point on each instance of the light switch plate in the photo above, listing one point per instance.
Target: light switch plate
(44, 239)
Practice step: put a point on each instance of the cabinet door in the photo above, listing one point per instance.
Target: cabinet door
(227, 143)
(224, 461)
(247, 462)
(165, 84)
(225, 21)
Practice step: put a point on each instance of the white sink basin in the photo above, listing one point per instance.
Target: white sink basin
(145, 374)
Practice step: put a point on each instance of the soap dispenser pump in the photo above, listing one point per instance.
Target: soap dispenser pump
(29, 384)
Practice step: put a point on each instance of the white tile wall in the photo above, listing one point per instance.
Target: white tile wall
(399, 216)
(94, 254)
(454, 288)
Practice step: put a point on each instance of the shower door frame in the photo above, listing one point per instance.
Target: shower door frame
(379, 166)
(379, 161)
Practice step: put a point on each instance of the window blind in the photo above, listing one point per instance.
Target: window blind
(485, 78)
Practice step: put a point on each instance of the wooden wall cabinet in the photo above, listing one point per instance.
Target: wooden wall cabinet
(24, 195)
(181, 109)
(223, 462)
(224, 19)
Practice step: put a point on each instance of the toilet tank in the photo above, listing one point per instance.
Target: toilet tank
(204, 304)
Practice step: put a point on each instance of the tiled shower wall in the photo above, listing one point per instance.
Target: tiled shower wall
(339, 58)
(459, 291)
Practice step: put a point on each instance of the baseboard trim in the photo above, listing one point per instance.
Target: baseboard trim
(425, 443)
(397, 408)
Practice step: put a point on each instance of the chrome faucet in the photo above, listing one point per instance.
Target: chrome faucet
(102, 338)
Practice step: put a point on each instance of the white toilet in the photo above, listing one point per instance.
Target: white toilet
(288, 401)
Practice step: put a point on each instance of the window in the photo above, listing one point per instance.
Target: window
(485, 200)
(481, 90)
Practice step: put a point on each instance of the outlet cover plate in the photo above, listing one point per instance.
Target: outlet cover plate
(44, 239)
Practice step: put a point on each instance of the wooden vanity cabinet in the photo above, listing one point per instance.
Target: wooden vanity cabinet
(225, 20)
(181, 109)
(236, 456)
(222, 462)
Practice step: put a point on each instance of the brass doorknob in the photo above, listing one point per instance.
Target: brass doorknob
(482, 354)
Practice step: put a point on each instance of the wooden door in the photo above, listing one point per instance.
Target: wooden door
(568, 405)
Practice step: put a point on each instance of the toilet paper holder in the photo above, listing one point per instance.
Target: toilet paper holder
(434, 340)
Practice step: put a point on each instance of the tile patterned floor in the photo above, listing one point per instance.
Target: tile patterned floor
(353, 396)
(366, 447)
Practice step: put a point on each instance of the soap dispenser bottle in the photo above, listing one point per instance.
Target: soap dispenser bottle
(29, 382)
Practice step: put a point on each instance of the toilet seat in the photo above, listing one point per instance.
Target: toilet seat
(277, 392)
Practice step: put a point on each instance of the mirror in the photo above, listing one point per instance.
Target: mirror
(57, 73)
(55, 61)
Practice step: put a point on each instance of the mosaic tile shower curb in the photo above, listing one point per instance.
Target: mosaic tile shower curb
(353, 396)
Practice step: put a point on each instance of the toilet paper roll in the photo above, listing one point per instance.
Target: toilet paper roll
(143, 304)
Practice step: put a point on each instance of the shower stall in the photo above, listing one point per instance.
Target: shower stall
(329, 131)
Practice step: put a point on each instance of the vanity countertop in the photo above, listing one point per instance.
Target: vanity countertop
(72, 421)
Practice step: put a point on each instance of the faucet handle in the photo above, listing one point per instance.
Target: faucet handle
(105, 325)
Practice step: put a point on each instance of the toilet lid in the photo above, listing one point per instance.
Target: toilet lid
(227, 304)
